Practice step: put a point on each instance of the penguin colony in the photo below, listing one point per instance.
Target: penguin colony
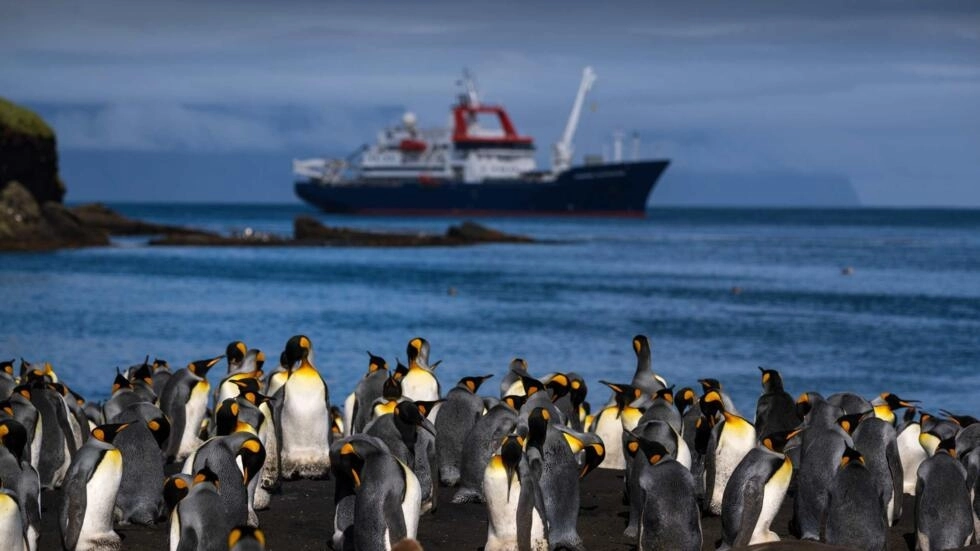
(846, 461)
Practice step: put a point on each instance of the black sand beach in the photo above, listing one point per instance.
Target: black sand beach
(301, 519)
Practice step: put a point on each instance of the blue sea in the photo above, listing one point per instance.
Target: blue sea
(718, 291)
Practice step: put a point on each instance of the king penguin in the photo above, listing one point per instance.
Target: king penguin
(856, 516)
(514, 501)
(139, 500)
(90, 494)
(482, 441)
(235, 353)
(511, 384)
(198, 522)
(235, 459)
(613, 419)
(877, 443)
(644, 378)
(420, 383)
(20, 478)
(357, 407)
(823, 449)
(730, 441)
(754, 494)
(775, 411)
(460, 412)
(943, 513)
(910, 451)
(185, 401)
(305, 421)
(671, 519)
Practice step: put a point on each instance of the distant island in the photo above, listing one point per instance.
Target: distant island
(34, 217)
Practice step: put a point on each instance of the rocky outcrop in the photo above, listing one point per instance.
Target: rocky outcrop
(28, 153)
(97, 215)
(27, 226)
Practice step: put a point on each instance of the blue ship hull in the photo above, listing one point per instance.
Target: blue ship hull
(619, 189)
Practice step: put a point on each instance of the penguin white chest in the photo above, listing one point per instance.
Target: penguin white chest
(420, 385)
(194, 411)
(734, 441)
(11, 527)
(773, 494)
(610, 429)
(412, 502)
(911, 454)
(501, 510)
(305, 425)
(100, 500)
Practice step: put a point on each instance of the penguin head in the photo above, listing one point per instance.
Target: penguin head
(531, 385)
(175, 488)
(929, 441)
(160, 428)
(519, 366)
(7, 367)
(252, 453)
(709, 384)
(247, 385)
(961, 420)
(376, 363)
(235, 352)
(143, 373)
(413, 413)
(418, 351)
(849, 422)
(655, 452)
(684, 399)
(201, 367)
(259, 358)
(13, 436)
(776, 441)
(623, 394)
(594, 454)
(851, 457)
(206, 476)
(666, 394)
(577, 389)
(711, 403)
(120, 383)
(894, 402)
(472, 384)
(772, 381)
(537, 427)
(226, 417)
(514, 401)
(35, 372)
(400, 370)
(641, 346)
(558, 385)
(160, 365)
(298, 347)
(805, 403)
(24, 391)
(246, 533)
(107, 433)
(392, 388)
(947, 446)
(511, 452)
(351, 462)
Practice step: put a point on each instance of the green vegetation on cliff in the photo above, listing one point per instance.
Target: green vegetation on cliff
(23, 121)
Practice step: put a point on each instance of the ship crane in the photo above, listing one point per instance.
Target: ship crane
(562, 156)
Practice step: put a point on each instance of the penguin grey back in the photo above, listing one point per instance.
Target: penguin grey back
(457, 416)
(482, 440)
(671, 519)
(943, 512)
(856, 515)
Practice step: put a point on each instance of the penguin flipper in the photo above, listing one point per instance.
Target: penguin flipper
(73, 508)
(752, 498)
(898, 478)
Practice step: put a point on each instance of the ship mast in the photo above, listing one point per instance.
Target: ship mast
(562, 155)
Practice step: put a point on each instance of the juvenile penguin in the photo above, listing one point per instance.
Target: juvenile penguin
(387, 494)
(420, 382)
(198, 522)
(90, 489)
(730, 441)
(775, 411)
(514, 502)
(671, 519)
(305, 422)
(185, 401)
(459, 413)
(644, 378)
(856, 516)
(482, 440)
(943, 513)
(754, 494)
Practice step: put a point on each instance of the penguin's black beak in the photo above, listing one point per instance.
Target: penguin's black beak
(253, 457)
(594, 455)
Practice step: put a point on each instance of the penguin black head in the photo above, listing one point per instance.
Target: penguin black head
(376, 363)
(632, 442)
(408, 413)
(34, 374)
(684, 399)
(235, 352)
(472, 384)
(641, 346)
(711, 403)
(7, 367)
(418, 351)
(259, 359)
(531, 385)
(392, 388)
(519, 366)
(58, 387)
(201, 367)
(120, 383)
(142, 373)
(624, 394)
(577, 389)
(851, 456)
(246, 533)
(558, 385)
(537, 427)
(655, 452)
(948, 446)
(6, 409)
(159, 364)
(13, 436)
(772, 381)
(226, 417)
(400, 370)
(108, 433)
(297, 348)
(514, 401)
(594, 454)
(252, 453)
(246, 385)
(511, 451)
(806, 402)
(175, 488)
(351, 462)
(961, 420)
(894, 402)
(702, 433)
(776, 441)
(160, 428)
(709, 384)
(850, 422)
(666, 394)
(206, 476)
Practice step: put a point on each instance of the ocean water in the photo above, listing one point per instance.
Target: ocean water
(907, 320)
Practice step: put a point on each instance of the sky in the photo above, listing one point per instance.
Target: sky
(882, 94)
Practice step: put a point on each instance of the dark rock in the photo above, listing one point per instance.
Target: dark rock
(100, 216)
(471, 232)
(27, 226)
(28, 153)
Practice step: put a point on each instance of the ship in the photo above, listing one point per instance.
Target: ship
(478, 165)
